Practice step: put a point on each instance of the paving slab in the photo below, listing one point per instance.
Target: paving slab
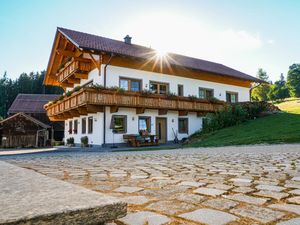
(209, 191)
(269, 187)
(247, 199)
(51, 201)
(295, 192)
(271, 194)
(125, 189)
(295, 200)
(191, 183)
(170, 207)
(209, 216)
(258, 213)
(220, 203)
(189, 198)
(295, 221)
(136, 200)
(145, 217)
(287, 207)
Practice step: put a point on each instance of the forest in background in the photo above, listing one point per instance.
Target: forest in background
(31, 83)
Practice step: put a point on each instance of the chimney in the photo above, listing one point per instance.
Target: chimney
(127, 39)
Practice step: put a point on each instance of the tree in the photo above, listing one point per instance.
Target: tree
(31, 83)
(293, 80)
(260, 92)
(278, 90)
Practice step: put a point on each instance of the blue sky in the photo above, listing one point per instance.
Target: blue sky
(241, 34)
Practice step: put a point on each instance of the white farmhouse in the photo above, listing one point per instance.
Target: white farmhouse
(118, 91)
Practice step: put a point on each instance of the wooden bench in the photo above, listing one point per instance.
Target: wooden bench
(136, 140)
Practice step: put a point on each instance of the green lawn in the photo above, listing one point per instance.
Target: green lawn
(279, 128)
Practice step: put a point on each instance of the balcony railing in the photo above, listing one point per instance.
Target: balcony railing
(80, 101)
(81, 66)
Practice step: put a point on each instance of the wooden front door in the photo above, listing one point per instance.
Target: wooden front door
(161, 129)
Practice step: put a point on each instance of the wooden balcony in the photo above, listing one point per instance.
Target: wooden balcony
(73, 71)
(89, 100)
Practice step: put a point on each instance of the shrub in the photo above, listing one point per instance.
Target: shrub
(70, 141)
(77, 88)
(84, 141)
(234, 114)
(97, 86)
(213, 100)
(171, 95)
(146, 92)
(192, 97)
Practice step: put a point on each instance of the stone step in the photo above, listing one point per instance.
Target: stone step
(27, 197)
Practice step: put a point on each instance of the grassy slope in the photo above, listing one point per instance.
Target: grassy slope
(279, 128)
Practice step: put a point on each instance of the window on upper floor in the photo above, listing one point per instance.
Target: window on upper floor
(83, 125)
(129, 84)
(159, 88)
(183, 125)
(231, 97)
(180, 90)
(90, 125)
(118, 124)
(206, 93)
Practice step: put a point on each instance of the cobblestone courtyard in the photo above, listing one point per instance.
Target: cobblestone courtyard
(230, 185)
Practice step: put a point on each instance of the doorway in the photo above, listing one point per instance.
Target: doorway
(161, 129)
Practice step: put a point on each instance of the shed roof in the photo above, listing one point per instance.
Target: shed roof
(41, 124)
(31, 103)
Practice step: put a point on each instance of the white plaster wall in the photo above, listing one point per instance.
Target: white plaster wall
(94, 138)
(191, 86)
(195, 123)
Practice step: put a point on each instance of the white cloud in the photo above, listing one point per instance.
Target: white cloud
(271, 41)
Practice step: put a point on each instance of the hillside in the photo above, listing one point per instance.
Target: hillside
(279, 128)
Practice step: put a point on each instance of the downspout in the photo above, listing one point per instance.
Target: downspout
(104, 113)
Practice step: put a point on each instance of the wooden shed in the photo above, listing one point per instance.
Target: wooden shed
(22, 130)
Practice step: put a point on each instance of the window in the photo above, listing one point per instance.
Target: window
(75, 126)
(159, 88)
(130, 84)
(206, 93)
(90, 125)
(83, 125)
(231, 97)
(180, 90)
(70, 126)
(118, 124)
(183, 125)
(145, 124)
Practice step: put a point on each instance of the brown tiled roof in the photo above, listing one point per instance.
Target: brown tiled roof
(97, 43)
(30, 103)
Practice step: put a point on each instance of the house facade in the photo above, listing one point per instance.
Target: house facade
(113, 88)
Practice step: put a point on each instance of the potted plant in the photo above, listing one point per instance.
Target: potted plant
(70, 142)
(84, 141)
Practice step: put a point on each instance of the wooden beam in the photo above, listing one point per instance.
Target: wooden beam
(183, 113)
(74, 113)
(56, 118)
(94, 108)
(201, 114)
(66, 53)
(114, 109)
(81, 75)
(162, 112)
(67, 85)
(82, 110)
(73, 80)
(140, 110)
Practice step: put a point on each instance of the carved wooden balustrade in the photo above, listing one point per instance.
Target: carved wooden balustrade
(89, 100)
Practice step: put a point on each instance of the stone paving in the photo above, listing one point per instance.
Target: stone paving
(228, 185)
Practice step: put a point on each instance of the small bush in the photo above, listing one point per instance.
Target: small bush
(84, 141)
(192, 97)
(70, 141)
(146, 92)
(171, 95)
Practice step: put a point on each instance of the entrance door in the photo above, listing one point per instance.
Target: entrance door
(161, 129)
